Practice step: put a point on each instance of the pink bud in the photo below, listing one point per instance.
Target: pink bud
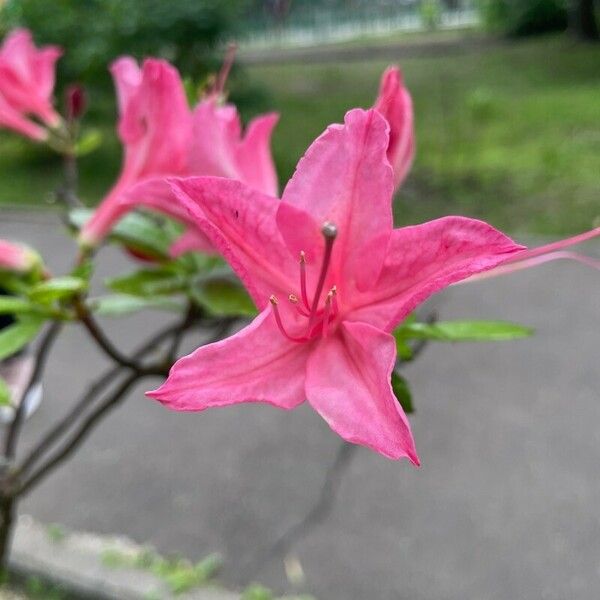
(16, 257)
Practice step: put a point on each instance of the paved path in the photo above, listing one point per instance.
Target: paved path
(505, 506)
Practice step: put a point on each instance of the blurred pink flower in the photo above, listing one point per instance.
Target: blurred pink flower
(155, 129)
(177, 142)
(332, 279)
(26, 84)
(395, 104)
(16, 257)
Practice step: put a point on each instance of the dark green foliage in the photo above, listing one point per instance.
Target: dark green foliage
(517, 18)
(97, 31)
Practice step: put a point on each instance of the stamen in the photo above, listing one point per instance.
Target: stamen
(303, 279)
(329, 231)
(274, 302)
(334, 302)
(327, 312)
(294, 300)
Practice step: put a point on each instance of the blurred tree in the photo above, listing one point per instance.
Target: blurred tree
(582, 19)
(96, 31)
(517, 18)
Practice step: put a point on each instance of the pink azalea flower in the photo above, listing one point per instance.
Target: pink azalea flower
(209, 142)
(332, 279)
(154, 127)
(16, 257)
(26, 84)
(395, 104)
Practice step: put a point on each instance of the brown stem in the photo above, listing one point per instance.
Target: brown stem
(7, 510)
(40, 362)
(88, 321)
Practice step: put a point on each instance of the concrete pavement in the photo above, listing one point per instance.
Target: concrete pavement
(505, 506)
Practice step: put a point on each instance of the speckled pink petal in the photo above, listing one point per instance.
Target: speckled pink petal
(348, 384)
(424, 259)
(240, 223)
(256, 364)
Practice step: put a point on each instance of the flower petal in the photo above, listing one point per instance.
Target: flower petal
(240, 222)
(191, 240)
(27, 75)
(154, 194)
(348, 384)
(155, 121)
(14, 120)
(254, 158)
(426, 258)
(216, 129)
(257, 364)
(395, 104)
(344, 178)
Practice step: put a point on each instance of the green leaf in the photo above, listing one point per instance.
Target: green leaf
(17, 335)
(58, 288)
(402, 392)
(5, 395)
(10, 305)
(123, 304)
(149, 282)
(88, 142)
(224, 298)
(405, 352)
(463, 331)
(138, 231)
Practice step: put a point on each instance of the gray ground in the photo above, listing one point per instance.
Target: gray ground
(505, 506)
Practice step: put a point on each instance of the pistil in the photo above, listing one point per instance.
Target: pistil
(329, 231)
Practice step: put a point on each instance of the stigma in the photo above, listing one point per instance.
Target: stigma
(319, 317)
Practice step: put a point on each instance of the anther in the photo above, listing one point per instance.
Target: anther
(327, 312)
(274, 303)
(303, 279)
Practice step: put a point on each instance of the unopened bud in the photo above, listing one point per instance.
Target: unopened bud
(76, 101)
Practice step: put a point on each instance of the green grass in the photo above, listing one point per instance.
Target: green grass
(506, 133)
(510, 134)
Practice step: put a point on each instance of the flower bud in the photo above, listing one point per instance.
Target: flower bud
(76, 101)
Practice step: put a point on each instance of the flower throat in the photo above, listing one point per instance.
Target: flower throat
(319, 319)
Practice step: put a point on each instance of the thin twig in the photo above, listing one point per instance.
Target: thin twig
(81, 433)
(65, 423)
(88, 321)
(41, 358)
(321, 509)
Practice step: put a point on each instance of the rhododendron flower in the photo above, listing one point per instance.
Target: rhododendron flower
(332, 279)
(207, 142)
(154, 127)
(16, 257)
(26, 84)
(395, 104)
